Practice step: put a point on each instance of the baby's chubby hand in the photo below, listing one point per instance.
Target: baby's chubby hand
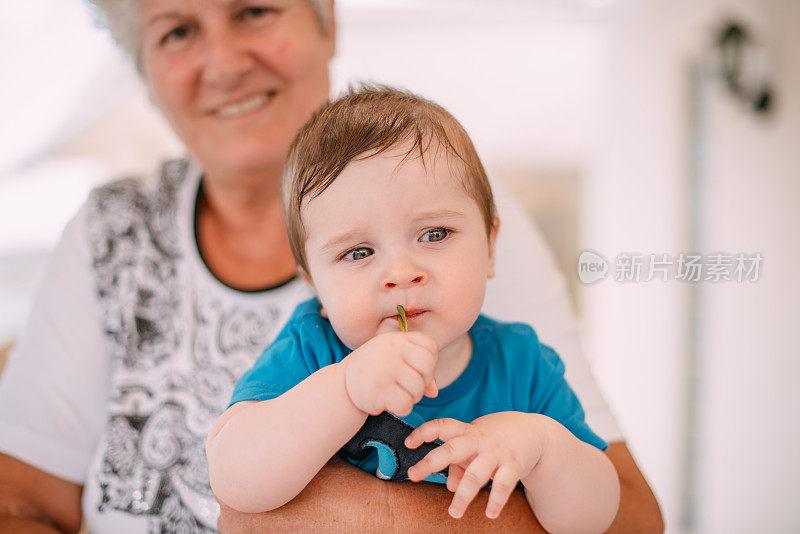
(503, 447)
(391, 372)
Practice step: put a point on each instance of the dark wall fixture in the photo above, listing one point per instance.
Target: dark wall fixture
(744, 67)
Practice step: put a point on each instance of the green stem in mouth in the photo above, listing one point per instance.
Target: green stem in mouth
(402, 318)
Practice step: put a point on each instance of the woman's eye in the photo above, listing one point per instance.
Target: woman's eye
(254, 12)
(178, 34)
(358, 254)
(437, 234)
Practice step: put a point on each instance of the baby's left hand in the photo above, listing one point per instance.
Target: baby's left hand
(503, 447)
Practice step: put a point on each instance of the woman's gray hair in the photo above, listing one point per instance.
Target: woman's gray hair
(122, 19)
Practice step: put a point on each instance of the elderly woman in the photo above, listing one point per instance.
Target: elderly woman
(161, 294)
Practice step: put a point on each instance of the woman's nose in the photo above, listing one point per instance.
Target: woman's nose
(227, 60)
(404, 274)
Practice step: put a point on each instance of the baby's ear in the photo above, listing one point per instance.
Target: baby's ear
(492, 243)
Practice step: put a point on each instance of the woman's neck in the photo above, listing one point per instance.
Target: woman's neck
(241, 200)
(241, 234)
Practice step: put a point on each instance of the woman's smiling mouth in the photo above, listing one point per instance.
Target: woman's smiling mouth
(245, 105)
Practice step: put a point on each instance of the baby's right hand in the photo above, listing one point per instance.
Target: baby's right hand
(391, 372)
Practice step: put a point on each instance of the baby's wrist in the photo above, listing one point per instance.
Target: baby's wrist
(548, 435)
(342, 368)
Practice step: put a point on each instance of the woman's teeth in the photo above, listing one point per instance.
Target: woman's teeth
(244, 106)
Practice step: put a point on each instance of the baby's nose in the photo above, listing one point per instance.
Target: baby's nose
(403, 275)
(414, 281)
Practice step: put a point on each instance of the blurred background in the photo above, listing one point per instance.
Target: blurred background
(632, 127)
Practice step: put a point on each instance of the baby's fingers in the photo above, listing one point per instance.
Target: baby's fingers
(411, 381)
(431, 390)
(443, 429)
(475, 477)
(454, 475)
(504, 482)
(457, 450)
(423, 340)
(398, 401)
(422, 360)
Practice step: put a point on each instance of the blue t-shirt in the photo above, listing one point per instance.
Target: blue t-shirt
(510, 370)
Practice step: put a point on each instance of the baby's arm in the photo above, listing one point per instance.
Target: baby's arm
(574, 487)
(570, 485)
(261, 454)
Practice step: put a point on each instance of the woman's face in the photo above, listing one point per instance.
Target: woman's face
(236, 78)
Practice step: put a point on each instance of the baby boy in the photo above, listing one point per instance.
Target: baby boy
(387, 204)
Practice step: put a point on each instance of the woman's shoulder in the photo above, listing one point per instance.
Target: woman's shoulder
(139, 210)
(142, 193)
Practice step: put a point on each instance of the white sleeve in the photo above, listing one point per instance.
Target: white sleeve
(54, 391)
(528, 287)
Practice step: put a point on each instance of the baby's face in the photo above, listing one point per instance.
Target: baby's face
(388, 233)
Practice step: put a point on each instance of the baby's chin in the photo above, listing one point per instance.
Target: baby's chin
(385, 326)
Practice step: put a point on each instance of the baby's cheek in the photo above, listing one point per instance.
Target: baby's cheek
(470, 283)
(466, 298)
(354, 326)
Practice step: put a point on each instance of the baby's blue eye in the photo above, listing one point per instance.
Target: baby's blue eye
(437, 234)
(358, 253)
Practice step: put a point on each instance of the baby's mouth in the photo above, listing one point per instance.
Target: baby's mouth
(410, 314)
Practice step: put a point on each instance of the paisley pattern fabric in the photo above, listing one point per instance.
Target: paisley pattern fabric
(178, 342)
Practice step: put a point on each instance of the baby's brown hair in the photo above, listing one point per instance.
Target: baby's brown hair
(365, 122)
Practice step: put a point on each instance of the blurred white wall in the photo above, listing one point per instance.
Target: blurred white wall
(600, 89)
(634, 203)
(745, 468)
(749, 459)
(522, 77)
